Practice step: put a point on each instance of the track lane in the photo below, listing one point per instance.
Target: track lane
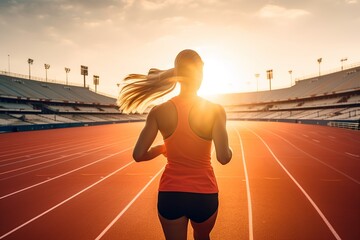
(67, 186)
(48, 159)
(140, 212)
(22, 181)
(274, 200)
(32, 152)
(42, 173)
(37, 200)
(233, 219)
(90, 211)
(19, 141)
(232, 222)
(336, 195)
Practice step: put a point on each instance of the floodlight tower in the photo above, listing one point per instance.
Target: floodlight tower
(269, 74)
(67, 70)
(47, 66)
(257, 75)
(8, 63)
(30, 62)
(319, 61)
(342, 63)
(290, 72)
(84, 72)
(96, 81)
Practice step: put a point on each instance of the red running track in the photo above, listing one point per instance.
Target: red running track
(285, 181)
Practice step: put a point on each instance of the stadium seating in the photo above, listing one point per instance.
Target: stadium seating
(25, 88)
(327, 98)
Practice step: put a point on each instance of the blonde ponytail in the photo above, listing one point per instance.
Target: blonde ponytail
(140, 90)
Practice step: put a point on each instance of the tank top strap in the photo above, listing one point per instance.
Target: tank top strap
(183, 107)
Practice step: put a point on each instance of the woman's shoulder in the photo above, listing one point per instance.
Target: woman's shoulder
(210, 106)
(201, 105)
(162, 108)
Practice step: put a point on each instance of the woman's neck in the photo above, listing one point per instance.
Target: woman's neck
(187, 91)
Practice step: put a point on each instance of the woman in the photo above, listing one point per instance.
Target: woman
(188, 125)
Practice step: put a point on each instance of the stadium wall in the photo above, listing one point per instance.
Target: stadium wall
(33, 127)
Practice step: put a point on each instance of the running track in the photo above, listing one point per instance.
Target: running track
(285, 181)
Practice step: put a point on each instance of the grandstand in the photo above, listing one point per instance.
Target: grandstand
(28, 105)
(332, 99)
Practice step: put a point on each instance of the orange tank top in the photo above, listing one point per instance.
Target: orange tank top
(189, 156)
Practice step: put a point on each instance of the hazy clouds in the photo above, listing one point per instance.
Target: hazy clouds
(117, 36)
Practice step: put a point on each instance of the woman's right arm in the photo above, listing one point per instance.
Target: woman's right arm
(220, 137)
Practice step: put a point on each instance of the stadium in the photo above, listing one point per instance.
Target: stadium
(295, 154)
(332, 99)
(283, 163)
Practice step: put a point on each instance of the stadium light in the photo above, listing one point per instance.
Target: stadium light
(84, 72)
(257, 75)
(30, 62)
(67, 70)
(9, 63)
(319, 61)
(96, 81)
(47, 66)
(269, 74)
(290, 72)
(342, 63)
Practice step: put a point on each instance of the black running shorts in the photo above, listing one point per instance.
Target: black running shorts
(198, 207)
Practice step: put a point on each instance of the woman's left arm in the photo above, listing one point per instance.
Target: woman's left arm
(143, 150)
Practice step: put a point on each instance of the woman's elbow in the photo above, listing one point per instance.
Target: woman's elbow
(137, 157)
(225, 158)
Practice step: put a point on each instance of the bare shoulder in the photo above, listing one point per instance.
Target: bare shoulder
(161, 109)
(203, 117)
(211, 108)
(166, 118)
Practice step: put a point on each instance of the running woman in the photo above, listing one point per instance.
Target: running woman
(188, 124)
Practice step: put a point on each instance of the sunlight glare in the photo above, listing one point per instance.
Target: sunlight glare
(219, 76)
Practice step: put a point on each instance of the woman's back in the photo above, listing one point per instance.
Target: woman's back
(201, 118)
(188, 145)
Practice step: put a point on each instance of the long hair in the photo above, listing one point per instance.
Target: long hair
(138, 90)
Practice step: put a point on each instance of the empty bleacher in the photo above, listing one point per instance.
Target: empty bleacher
(327, 98)
(25, 88)
(25, 102)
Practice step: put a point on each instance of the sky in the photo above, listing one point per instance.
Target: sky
(235, 38)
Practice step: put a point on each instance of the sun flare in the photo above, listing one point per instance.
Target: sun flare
(219, 76)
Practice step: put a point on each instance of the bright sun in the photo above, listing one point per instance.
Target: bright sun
(219, 76)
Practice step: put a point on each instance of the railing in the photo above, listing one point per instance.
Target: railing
(10, 74)
(333, 70)
(347, 125)
(17, 75)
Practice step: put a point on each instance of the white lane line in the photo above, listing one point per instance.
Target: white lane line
(315, 158)
(353, 155)
(33, 154)
(128, 206)
(328, 224)
(54, 159)
(305, 135)
(251, 230)
(65, 201)
(64, 174)
(315, 140)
